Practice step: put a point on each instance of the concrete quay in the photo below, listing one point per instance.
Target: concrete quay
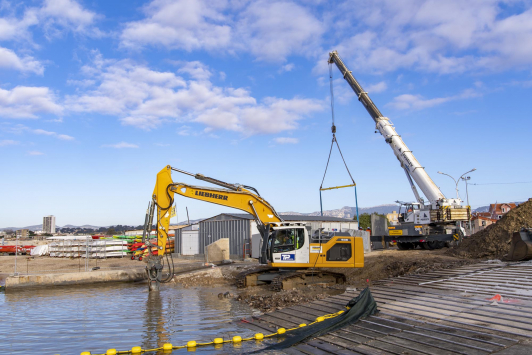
(89, 277)
(74, 278)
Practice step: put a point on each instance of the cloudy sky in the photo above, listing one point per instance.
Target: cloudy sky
(97, 96)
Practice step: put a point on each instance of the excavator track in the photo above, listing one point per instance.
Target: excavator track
(298, 279)
(248, 278)
(286, 279)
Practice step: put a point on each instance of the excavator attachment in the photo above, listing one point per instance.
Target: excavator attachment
(521, 246)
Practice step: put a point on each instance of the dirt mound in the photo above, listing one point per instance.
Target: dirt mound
(494, 241)
(279, 300)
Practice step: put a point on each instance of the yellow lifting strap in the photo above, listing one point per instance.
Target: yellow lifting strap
(336, 187)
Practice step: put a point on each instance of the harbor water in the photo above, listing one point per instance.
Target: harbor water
(70, 320)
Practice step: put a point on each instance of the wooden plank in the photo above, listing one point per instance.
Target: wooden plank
(292, 351)
(445, 332)
(323, 345)
(307, 349)
(359, 348)
(420, 346)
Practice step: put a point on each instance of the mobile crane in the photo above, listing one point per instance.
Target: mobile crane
(289, 256)
(432, 224)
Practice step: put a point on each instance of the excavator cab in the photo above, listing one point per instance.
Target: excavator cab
(289, 245)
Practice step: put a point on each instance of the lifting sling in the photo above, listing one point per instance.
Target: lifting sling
(334, 140)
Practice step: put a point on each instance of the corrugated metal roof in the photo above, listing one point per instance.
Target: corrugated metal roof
(289, 217)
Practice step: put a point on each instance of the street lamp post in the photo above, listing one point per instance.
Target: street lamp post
(457, 181)
(466, 179)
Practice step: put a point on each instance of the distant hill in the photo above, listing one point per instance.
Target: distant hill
(350, 212)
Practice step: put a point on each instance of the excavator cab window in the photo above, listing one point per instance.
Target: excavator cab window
(288, 239)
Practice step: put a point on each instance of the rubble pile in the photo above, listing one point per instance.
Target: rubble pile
(280, 300)
(494, 241)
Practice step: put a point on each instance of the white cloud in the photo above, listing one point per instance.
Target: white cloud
(181, 24)
(417, 102)
(184, 131)
(146, 98)
(273, 30)
(195, 70)
(376, 88)
(6, 142)
(10, 60)
(18, 129)
(286, 140)
(435, 36)
(287, 67)
(35, 152)
(120, 145)
(68, 14)
(65, 137)
(222, 76)
(270, 30)
(54, 17)
(28, 102)
(42, 131)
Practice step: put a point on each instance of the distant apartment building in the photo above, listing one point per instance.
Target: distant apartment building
(497, 210)
(48, 224)
(393, 218)
(22, 233)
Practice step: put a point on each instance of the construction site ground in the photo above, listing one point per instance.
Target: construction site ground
(481, 308)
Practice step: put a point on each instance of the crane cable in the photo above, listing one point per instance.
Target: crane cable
(334, 140)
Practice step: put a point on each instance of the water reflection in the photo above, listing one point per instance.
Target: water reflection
(74, 319)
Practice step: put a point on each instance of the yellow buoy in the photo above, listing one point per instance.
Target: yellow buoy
(136, 350)
(259, 336)
(167, 346)
(86, 353)
(191, 344)
(320, 319)
(237, 339)
(302, 325)
(281, 331)
(218, 340)
(111, 352)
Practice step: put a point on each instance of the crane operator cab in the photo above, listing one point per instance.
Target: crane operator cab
(291, 247)
(411, 209)
(413, 212)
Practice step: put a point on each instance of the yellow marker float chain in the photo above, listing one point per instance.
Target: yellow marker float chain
(167, 347)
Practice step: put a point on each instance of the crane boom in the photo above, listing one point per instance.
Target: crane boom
(405, 156)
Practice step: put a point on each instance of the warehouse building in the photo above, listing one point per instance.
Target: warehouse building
(241, 228)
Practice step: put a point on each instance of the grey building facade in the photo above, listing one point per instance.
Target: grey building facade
(240, 228)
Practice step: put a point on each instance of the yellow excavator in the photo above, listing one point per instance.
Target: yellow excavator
(290, 257)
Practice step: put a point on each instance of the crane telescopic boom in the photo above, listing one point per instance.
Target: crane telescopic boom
(405, 156)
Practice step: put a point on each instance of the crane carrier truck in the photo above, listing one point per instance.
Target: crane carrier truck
(431, 223)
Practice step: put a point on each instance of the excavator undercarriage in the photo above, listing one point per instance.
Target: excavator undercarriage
(287, 279)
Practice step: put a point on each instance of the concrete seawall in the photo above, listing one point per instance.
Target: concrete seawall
(90, 277)
(75, 278)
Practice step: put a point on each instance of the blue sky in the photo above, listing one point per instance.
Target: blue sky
(97, 96)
